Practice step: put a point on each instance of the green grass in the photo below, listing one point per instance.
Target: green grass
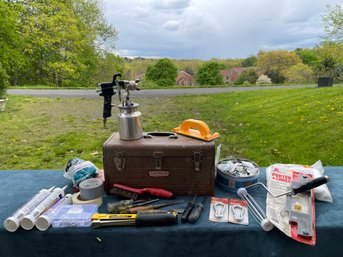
(299, 125)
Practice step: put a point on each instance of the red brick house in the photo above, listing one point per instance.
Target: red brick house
(230, 76)
(185, 79)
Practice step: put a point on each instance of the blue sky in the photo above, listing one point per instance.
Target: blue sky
(205, 29)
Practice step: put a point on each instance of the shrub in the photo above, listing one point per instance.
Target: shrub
(248, 75)
(299, 73)
(263, 80)
(163, 73)
(276, 76)
(209, 74)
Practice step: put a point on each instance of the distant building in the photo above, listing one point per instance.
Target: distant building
(230, 76)
(184, 79)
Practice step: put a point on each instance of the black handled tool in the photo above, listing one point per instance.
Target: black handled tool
(196, 211)
(107, 92)
(307, 186)
(187, 211)
(138, 220)
(312, 184)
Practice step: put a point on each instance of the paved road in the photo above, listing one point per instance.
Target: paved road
(71, 93)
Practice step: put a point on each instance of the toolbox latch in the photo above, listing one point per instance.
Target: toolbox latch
(197, 159)
(158, 160)
(119, 160)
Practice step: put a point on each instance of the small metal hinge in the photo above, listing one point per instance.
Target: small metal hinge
(119, 160)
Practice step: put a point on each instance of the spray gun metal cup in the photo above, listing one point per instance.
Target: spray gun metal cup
(129, 118)
(255, 210)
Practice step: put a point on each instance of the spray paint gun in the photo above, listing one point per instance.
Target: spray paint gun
(129, 119)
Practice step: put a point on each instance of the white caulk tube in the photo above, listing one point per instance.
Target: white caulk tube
(12, 223)
(44, 221)
(28, 221)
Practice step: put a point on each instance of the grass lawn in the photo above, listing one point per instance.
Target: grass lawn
(300, 125)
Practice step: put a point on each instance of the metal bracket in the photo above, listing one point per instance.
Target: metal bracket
(197, 159)
(158, 160)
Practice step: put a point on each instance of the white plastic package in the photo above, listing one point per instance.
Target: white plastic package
(322, 192)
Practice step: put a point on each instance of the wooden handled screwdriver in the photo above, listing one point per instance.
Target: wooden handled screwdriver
(150, 207)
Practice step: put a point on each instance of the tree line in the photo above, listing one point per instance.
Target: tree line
(69, 43)
(53, 42)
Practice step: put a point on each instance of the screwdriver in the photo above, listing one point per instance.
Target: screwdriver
(187, 211)
(113, 207)
(150, 207)
(124, 209)
(196, 211)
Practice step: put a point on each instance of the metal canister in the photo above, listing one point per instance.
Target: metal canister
(129, 122)
(235, 173)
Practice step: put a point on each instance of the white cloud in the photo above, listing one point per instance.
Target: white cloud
(172, 25)
(217, 28)
(170, 4)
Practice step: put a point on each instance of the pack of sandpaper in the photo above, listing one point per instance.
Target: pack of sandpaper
(180, 164)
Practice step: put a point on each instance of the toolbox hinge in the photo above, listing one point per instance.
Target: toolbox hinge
(158, 160)
(197, 159)
(119, 160)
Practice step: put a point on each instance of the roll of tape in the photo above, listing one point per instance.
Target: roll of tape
(77, 200)
(92, 188)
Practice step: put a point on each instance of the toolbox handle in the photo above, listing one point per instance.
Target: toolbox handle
(161, 134)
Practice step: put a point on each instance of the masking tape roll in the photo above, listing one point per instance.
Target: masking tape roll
(77, 200)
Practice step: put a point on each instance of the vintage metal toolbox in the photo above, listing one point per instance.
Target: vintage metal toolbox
(181, 164)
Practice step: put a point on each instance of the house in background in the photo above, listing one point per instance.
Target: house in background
(230, 76)
(184, 79)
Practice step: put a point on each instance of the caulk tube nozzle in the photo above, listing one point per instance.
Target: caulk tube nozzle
(12, 223)
(44, 221)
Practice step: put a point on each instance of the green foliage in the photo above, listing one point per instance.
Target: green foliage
(56, 43)
(333, 23)
(209, 74)
(189, 70)
(330, 57)
(274, 63)
(308, 56)
(299, 73)
(3, 81)
(108, 64)
(11, 42)
(163, 73)
(339, 73)
(249, 62)
(276, 76)
(248, 75)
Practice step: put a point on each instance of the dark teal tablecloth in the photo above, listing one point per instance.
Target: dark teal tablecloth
(204, 238)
